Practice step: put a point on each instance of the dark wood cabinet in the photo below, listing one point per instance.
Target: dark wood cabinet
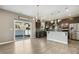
(39, 33)
(38, 24)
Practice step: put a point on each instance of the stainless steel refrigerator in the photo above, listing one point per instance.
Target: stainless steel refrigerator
(74, 31)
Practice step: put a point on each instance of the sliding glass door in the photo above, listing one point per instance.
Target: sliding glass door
(22, 30)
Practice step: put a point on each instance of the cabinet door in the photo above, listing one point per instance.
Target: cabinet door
(77, 35)
(77, 26)
(73, 35)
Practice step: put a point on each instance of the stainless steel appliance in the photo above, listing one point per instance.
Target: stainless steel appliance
(74, 31)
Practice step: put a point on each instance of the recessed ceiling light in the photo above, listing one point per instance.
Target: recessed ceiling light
(67, 9)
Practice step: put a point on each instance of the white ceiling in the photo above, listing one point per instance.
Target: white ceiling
(45, 11)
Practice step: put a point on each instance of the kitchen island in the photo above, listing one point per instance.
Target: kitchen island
(58, 36)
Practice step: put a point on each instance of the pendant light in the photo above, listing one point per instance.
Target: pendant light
(37, 17)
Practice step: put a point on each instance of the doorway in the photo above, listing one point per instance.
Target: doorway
(22, 30)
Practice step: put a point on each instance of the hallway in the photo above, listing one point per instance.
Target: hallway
(39, 46)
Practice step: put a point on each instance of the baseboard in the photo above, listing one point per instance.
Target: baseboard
(6, 42)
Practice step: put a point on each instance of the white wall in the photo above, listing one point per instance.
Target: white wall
(7, 26)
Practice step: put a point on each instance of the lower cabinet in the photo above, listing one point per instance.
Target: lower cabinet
(40, 34)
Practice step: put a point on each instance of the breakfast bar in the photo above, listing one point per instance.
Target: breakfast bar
(58, 36)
